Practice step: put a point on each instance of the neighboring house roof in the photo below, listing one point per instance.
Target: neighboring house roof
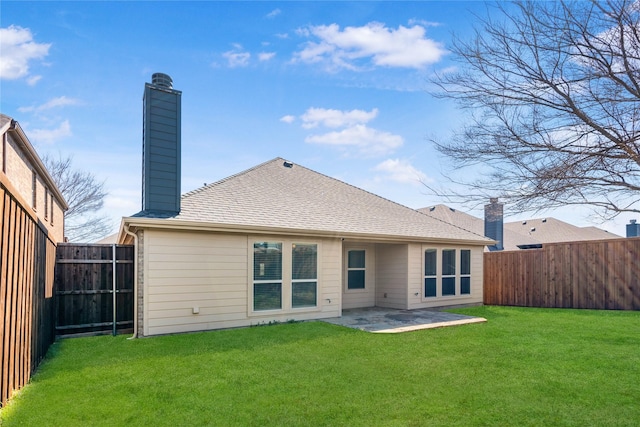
(549, 230)
(111, 239)
(522, 234)
(8, 124)
(282, 196)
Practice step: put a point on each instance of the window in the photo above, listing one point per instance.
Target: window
(4, 152)
(355, 269)
(46, 204)
(465, 272)
(34, 188)
(304, 275)
(285, 275)
(445, 274)
(448, 272)
(267, 276)
(430, 279)
(52, 208)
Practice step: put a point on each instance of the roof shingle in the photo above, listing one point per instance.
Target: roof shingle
(272, 195)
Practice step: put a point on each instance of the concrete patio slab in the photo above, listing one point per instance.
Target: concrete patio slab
(391, 321)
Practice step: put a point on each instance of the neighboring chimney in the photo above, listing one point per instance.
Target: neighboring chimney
(161, 146)
(633, 229)
(493, 223)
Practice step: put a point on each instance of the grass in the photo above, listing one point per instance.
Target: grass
(525, 367)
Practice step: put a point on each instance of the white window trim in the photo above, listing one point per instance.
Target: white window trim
(286, 282)
(347, 269)
(439, 276)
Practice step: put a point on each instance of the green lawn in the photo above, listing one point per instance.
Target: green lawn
(524, 367)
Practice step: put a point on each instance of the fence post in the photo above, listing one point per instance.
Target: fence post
(113, 274)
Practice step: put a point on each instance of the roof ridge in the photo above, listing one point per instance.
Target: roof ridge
(450, 223)
(394, 202)
(357, 188)
(235, 175)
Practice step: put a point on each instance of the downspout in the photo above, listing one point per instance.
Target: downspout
(135, 281)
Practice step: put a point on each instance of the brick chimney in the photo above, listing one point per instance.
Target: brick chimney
(161, 146)
(493, 223)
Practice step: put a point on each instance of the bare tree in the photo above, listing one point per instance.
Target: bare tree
(553, 92)
(85, 197)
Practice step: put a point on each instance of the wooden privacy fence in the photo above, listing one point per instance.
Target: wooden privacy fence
(26, 291)
(602, 274)
(94, 288)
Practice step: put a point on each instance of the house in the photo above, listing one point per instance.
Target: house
(516, 235)
(279, 242)
(24, 171)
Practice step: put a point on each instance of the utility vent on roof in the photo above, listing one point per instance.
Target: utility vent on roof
(452, 210)
(533, 229)
(287, 164)
(524, 222)
(432, 208)
(544, 219)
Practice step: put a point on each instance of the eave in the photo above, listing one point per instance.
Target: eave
(135, 223)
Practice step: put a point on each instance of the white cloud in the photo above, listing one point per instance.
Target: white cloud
(367, 141)
(288, 119)
(49, 136)
(18, 49)
(266, 56)
(401, 171)
(60, 101)
(33, 80)
(237, 57)
(424, 23)
(345, 49)
(274, 13)
(314, 117)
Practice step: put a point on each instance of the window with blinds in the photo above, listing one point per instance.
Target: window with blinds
(267, 276)
(304, 275)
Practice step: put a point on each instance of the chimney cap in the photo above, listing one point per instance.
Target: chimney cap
(632, 221)
(493, 200)
(162, 80)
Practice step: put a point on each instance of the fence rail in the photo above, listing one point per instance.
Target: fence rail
(26, 291)
(91, 298)
(602, 274)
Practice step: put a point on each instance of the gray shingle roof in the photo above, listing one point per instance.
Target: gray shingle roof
(272, 195)
(519, 233)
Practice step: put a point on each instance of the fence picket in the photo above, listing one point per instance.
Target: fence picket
(602, 274)
(84, 288)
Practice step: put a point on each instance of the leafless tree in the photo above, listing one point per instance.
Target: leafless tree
(553, 94)
(85, 197)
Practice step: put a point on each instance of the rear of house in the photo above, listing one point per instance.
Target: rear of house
(280, 242)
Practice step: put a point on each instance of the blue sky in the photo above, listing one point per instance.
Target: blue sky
(339, 87)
